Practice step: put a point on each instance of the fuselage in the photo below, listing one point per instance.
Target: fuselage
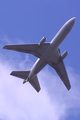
(50, 51)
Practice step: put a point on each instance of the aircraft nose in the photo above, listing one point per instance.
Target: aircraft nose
(71, 22)
(73, 19)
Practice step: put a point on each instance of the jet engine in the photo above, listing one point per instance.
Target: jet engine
(64, 55)
(42, 41)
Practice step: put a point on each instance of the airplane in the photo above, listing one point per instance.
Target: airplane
(47, 53)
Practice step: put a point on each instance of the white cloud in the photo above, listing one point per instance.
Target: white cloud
(21, 102)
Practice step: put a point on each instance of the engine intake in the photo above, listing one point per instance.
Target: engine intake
(42, 40)
(64, 55)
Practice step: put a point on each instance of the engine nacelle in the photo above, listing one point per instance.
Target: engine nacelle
(64, 55)
(42, 40)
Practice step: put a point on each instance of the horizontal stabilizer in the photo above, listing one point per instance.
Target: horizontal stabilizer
(20, 74)
(24, 74)
(35, 83)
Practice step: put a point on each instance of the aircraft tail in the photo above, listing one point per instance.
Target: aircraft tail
(24, 74)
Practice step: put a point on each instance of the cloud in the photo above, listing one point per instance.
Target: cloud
(21, 102)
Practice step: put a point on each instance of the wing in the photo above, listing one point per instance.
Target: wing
(60, 69)
(35, 49)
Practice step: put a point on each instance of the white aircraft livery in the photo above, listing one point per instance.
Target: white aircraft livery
(47, 53)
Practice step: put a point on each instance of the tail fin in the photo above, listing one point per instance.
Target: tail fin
(20, 74)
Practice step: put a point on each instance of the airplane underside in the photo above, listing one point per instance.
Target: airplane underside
(47, 53)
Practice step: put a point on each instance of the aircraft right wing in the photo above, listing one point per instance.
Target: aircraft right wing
(35, 49)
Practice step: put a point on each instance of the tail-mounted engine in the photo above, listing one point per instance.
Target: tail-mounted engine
(42, 41)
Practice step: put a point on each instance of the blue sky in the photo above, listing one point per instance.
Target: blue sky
(27, 21)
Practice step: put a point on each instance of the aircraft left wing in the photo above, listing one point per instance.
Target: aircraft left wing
(35, 49)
